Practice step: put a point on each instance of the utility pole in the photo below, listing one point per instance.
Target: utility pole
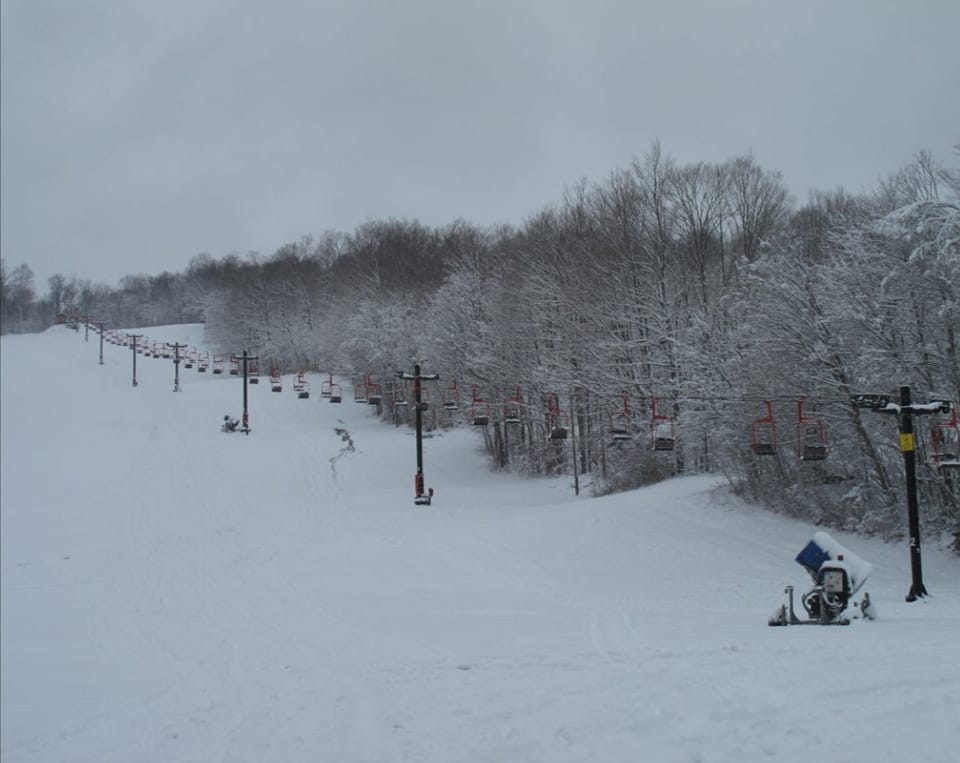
(133, 347)
(100, 329)
(905, 411)
(245, 359)
(422, 497)
(176, 364)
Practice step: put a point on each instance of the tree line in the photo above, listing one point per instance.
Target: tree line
(700, 289)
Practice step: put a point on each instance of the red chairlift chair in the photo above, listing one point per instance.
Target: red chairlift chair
(424, 404)
(326, 386)
(374, 391)
(253, 372)
(336, 393)
(218, 364)
(663, 432)
(945, 438)
(811, 436)
(400, 395)
(556, 419)
(360, 391)
(234, 365)
(513, 409)
(451, 397)
(479, 410)
(763, 434)
(301, 386)
(620, 422)
(276, 381)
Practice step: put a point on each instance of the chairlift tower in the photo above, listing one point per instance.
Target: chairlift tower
(905, 411)
(422, 497)
(176, 364)
(245, 359)
(100, 329)
(134, 338)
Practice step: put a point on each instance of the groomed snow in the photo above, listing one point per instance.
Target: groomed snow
(171, 593)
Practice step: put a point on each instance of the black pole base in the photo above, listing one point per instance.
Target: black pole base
(917, 592)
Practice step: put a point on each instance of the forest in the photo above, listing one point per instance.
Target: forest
(671, 318)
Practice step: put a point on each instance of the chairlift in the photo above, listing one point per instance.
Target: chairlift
(479, 410)
(945, 437)
(234, 365)
(451, 397)
(811, 436)
(335, 393)
(556, 419)
(372, 391)
(276, 381)
(513, 409)
(189, 358)
(400, 395)
(218, 364)
(326, 386)
(203, 362)
(763, 434)
(663, 431)
(301, 386)
(360, 391)
(424, 404)
(620, 422)
(253, 371)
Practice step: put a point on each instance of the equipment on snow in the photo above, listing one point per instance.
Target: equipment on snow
(229, 425)
(837, 575)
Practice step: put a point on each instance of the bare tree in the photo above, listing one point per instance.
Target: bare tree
(760, 204)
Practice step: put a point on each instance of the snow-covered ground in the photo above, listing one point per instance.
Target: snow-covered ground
(171, 593)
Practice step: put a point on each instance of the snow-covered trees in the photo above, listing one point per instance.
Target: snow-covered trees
(694, 288)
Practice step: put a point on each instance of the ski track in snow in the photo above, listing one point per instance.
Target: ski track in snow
(174, 593)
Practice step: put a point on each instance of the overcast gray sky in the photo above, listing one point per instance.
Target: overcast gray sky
(138, 134)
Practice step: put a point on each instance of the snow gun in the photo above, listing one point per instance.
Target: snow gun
(837, 575)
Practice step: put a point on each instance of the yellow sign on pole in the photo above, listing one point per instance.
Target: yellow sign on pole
(906, 442)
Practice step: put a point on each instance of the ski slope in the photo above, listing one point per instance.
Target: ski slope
(172, 593)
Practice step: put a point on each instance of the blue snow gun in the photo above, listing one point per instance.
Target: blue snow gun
(837, 575)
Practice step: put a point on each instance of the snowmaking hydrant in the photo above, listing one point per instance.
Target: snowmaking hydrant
(837, 575)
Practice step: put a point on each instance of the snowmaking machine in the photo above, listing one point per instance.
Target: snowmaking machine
(838, 574)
